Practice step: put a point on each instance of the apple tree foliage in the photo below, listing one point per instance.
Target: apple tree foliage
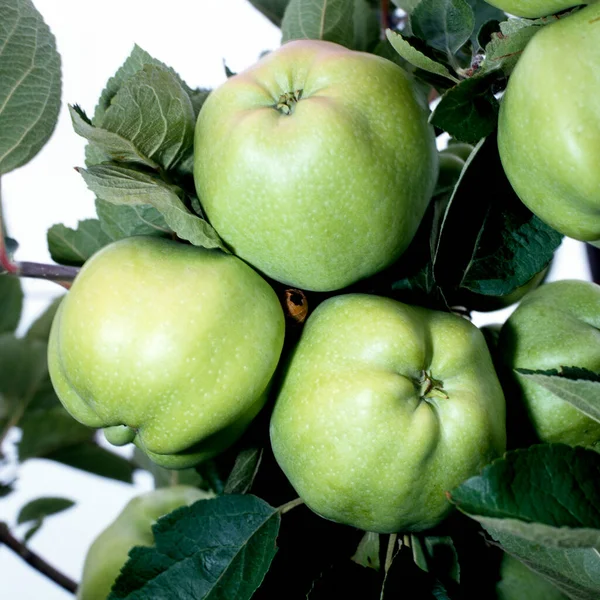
(539, 504)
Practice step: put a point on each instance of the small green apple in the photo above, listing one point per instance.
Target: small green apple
(133, 527)
(518, 581)
(316, 164)
(166, 345)
(383, 408)
(549, 127)
(534, 8)
(556, 325)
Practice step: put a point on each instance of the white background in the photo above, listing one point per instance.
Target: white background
(94, 38)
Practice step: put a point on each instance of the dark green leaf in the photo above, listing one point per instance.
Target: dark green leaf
(22, 368)
(121, 185)
(11, 303)
(579, 387)
(444, 24)
(121, 221)
(219, 548)
(438, 555)
(74, 246)
(548, 484)
(416, 57)
(330, 20)
(88, 456)
(542, 505)
(501, 245)
(366, 26)
(272, 9)
(31, 86)
(109, 145)
(483, 13)
(244, 471)
(153, 111)
(40, 329)
(47, 431)
(468, 111)
(503, 51)
(40, 508)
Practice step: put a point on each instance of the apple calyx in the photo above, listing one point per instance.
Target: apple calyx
(429, 387)
(287, 102)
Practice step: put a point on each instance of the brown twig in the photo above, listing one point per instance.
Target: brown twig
(384, 16)
(35, 561)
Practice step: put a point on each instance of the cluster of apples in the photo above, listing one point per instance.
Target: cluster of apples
(315, 166)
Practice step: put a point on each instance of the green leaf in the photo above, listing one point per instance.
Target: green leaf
(502, 245)
(579, 387)
(330, 20)
(40, 329)
(74, 246)
(219, 548)
(546, 484)
(11, 303)
(406, 5)
(121, 221)
(22, 368)
(366, 26)
(109, 145)
(483, 13)
(272, 9)
(542, 504)
(122, 185)
(444, 24)
(504, 50)
(244, 471)
(367, 552)
(47, 431)
(468, 111)
(40, 508)
(31, 83)
(417, 58)
(437, 554)
(153, 112)
(88, 456)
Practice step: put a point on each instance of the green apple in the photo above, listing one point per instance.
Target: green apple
(133, 527)
(316, 164)
(383, 408)
(519, 581)
(166, 345)
(534, 8)
(557, 325)
(549, 127)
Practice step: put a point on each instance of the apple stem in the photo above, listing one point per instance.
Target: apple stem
(34, 560)
(384, 17)
(289, 505)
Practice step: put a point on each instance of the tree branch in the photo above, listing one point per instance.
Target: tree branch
(35, 561)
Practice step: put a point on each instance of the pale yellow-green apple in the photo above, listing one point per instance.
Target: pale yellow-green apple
(534, 8)
(316, 164)
(166, 345)
(133, 527)
(557, 325)
(519, 582)
(549, 126)
(383, 408)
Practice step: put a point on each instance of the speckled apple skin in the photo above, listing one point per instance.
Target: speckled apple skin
(534, 8)
(176, 342)
(556, 325)
(549, 125)
(350, 429)
(327, 195)
(133, 527)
